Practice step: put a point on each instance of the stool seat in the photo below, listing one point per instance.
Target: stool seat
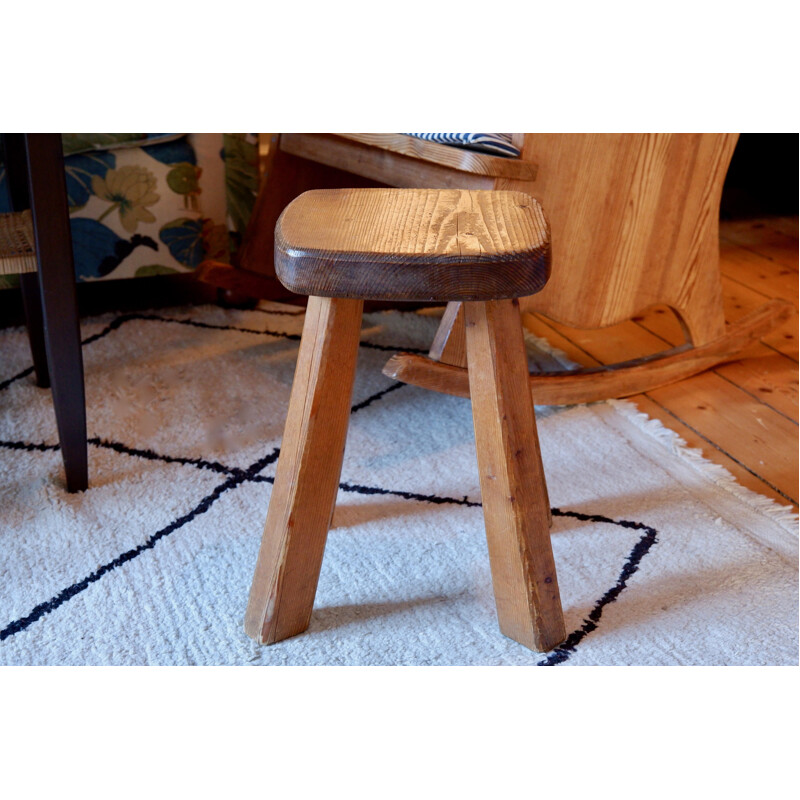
(413, 244)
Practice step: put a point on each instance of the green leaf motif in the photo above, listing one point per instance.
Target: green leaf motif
(241, 178)
(184, 238)
(182, 179)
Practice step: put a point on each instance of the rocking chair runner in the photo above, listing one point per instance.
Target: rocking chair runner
(634, 220)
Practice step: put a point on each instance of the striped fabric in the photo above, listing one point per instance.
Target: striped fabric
(498, 144)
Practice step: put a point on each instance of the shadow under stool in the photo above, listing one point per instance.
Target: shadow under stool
(344, 246)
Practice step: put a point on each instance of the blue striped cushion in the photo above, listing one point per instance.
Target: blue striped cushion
(498, 144)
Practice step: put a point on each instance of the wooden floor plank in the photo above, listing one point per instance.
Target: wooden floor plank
(736, 420)
(756, 272)
(709, 449)
(784, 339)
(691, 409)
(615, 343)
(785, 225)
(741, 426)
(758, 230)
(539, 326)
(739, 300)
(768, 378)
(767, 375)
(774, 238)
(663, 323)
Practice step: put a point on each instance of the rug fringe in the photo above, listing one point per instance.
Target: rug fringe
(536, 345)
(785, 516)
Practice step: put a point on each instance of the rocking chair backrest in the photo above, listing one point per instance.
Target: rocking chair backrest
(634, 220)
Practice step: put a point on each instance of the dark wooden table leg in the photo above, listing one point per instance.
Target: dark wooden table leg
(17, 181)
(32, 303)
(59, 303)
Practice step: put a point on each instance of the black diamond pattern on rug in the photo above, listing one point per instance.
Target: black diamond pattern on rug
(236, 477)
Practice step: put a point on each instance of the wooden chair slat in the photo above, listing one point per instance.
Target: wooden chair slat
(343, 150)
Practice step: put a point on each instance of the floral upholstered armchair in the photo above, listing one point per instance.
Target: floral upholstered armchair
(144, 204)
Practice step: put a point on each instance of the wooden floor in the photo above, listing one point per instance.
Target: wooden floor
(742, 415)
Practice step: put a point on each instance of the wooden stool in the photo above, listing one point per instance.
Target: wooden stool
(344, 246)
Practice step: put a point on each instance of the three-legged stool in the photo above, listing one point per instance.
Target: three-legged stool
(345, 246)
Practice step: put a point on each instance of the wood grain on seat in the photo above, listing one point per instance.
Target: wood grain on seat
(413, 244)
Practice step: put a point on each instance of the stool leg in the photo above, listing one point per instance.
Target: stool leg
(515, 504)
(307, 477)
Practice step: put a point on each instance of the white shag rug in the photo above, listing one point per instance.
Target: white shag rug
(662, 558)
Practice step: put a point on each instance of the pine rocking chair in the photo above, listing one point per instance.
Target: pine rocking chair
(634, 221)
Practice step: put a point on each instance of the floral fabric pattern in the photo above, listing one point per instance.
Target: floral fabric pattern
(153, 204)
(130, 189)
